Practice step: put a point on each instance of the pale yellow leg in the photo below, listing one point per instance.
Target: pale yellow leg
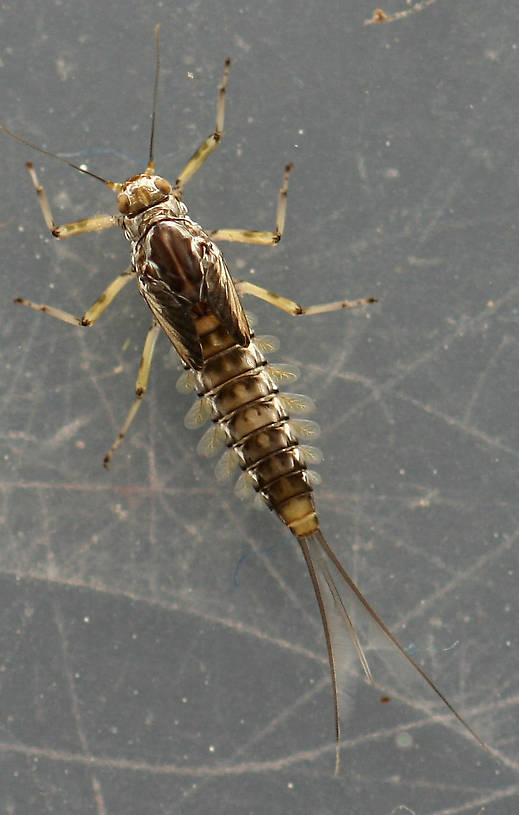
(290, 306)
(94, 224)
(255, 236)
(140, 388)
(211, 143)
(96, 309)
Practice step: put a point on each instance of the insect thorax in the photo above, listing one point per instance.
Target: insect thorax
(135, 226)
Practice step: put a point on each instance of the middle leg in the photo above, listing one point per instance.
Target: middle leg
(92, 314)
(291, 307)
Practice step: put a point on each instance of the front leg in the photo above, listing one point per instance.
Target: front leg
(94, 224)
(211, 143)
(254, 235)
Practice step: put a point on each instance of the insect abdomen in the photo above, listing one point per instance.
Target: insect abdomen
(246, 404)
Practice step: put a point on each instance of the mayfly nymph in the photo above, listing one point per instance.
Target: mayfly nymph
(184, 279)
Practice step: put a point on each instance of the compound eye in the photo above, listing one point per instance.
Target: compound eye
(123, 203)
(163, 185)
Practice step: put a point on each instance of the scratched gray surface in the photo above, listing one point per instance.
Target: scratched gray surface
(137, 677)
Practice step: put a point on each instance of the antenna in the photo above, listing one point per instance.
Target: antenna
(114, 185)
(151, 162)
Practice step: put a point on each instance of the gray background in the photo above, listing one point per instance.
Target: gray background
(136, 676)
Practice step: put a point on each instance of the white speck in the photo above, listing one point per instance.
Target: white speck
(404, 740)
(63, 69)
(121, 513)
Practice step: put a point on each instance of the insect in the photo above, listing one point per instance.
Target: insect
(184, 279)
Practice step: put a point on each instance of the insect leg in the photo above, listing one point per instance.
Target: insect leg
(94, 224)
(290, 306)
(212, 141)
(254, 235)
(92, 314)
(140, 388)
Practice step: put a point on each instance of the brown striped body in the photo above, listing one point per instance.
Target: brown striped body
(184, 279)
(246, 403)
